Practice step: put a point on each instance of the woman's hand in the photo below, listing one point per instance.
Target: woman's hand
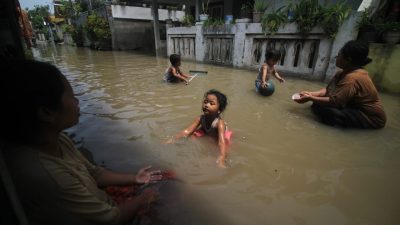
(304, 97)
(305, 93)
(144, 176)
(280, 79)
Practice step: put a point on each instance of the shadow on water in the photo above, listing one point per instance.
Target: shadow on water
(285, 167)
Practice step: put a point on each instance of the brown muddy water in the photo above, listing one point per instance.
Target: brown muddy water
(284, 167)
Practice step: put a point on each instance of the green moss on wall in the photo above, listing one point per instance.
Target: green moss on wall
(385, 67)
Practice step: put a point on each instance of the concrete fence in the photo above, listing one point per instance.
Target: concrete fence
(244, 45)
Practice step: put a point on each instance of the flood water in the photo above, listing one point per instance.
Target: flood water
(284, 166)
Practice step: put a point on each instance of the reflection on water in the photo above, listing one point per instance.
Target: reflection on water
(285, 168)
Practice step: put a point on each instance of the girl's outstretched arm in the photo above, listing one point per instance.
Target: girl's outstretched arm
(264, 76)
(277, 76)
(221, 144)
(187, 132)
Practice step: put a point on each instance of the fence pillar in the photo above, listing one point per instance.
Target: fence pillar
(200, 44)
(156, 26)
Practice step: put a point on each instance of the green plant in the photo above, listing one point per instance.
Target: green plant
(260, 6)
(333, 17)
(388, 26)
(366, 20)
(213, 22)
(188, 20)
(66, 9)
(271, 22)
(98, 32)
(306, 13)
(77, 36)
(208, 22)
(38, 15)
(218, 22)
(67, 28)
(205, 6)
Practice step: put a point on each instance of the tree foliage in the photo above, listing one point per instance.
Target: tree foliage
(38, 15)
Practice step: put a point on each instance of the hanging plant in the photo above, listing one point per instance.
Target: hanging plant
(271, 22)
(333, 17)
(306, 15)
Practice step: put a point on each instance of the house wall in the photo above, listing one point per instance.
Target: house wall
(132, 27)
(143, 13)
(385, 67)
(132, 34)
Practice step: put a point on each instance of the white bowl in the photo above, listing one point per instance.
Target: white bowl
(296, 96)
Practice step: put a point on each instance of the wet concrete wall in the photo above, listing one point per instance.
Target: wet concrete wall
(385, 67)
(132, 34)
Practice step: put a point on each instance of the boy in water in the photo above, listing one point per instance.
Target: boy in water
(173, 73)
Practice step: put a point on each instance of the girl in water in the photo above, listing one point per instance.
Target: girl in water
(210, 123)
(266, 71)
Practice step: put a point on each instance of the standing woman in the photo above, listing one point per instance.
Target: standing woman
(350, 99)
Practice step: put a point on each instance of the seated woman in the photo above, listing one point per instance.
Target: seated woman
(350, 99)
(54, 182)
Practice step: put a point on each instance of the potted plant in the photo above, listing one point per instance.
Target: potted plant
(187, 20)
(259, 8)
(390, 32)
(367, 27)
(306, 15)
(204, 16)
(271, 22)
(333, 17)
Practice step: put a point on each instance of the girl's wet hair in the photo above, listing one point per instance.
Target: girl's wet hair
(222, 99)
(357, 52)
(25, 87)
(174, 59)
(272, 54)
